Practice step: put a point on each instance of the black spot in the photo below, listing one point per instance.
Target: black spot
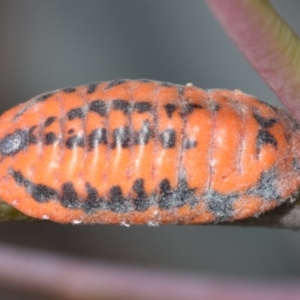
(49, 121)
(189, 108)
(71, 131)
(75, 141)
(264, 122)
(143, 136)
(184, 195)
(189, 144)
(221, 205)
(122, 105)
(141, 202)
(168, 138)
(166, 197)
(69, 90)
(69, 197)
(266, 186)
(263, 138)
(17, 176)
(50, 138)
(93, 201)
(121, 137)
(142, 107)
(117, 202)
(39, 192)
(91, 88)
(115, 82)
(32, 139)
(13, 143)
(100, 107)
(96, 137)
(170, 108)
(172, 198)
(44, 97)
(42, 193)
(76, 113)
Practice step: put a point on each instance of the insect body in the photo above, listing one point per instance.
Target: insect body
(142, 151)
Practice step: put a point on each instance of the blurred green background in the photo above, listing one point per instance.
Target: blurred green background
(46, 45)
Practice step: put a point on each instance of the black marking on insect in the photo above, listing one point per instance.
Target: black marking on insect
(31, 138)
(266, 186)
(184, 194)
(115, 82)
(44, 97)
(221, 205)
(142, 107)
(122, 105)
(121, 137)
(168, 138)
(142, 201)
(71, 131)
(42, 193)
(189, 144)
(96, 137)
(49, 121)
(189, 108)
(166, 198)
(75, 141)
(264, 122)
(39, 192)
(69, 90)
(93, 201)
(264, 137)
(91, 88)
(13, 143)
(99, 107)
(143, 136)
(69, 197)
(76, 113)
(173, 198)
(50, 138)
(18, 177)
(170, 108)
(117, 202)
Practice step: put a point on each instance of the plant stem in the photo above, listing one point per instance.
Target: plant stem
(269, 44)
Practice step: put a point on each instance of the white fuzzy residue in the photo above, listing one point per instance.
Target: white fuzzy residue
(75, 222)
(153, 223)
(125, 224)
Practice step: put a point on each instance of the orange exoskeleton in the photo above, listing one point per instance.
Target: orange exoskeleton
(147, 152)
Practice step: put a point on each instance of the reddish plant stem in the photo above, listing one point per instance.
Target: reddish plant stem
(269, 44)
(70, 278)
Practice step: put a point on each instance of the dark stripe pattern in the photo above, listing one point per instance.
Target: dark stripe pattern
(165, 198)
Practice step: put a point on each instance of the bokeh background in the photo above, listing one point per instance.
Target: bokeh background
(45, 45)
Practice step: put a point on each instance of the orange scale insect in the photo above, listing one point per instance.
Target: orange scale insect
(147, 152)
